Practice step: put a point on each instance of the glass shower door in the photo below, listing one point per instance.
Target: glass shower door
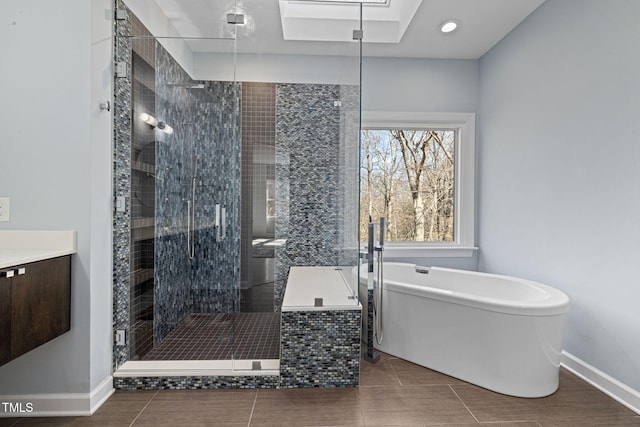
(238, 152)
(197, 215)
(348, 180)
(178, 163)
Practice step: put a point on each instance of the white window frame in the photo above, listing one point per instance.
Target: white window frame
(464, 124)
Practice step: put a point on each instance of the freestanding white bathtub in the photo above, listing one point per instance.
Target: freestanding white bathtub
(498, 332)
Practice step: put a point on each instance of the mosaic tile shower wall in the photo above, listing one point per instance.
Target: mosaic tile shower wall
(316, 147)
(202, 155)
(258, 196)
(349, 173)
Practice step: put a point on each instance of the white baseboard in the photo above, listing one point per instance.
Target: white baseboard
(56, 404)
(613, 388)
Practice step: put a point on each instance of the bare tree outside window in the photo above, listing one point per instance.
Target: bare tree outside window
(407, 177)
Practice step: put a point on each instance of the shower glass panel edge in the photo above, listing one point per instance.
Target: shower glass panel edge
(349, 159)
(165, 230)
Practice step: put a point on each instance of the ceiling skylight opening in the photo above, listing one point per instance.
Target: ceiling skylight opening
(383, 21)
(381, 2)
(448, 26)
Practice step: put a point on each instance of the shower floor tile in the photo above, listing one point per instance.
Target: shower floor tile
(203, 336)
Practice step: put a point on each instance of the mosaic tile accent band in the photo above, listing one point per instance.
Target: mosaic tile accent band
(195, 383)
(320, 348)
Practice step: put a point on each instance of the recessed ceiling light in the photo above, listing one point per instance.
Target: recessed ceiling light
(448, 26)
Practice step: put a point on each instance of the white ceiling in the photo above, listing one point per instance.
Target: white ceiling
(482, 24)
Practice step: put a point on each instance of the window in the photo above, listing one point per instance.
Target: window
(417, 170)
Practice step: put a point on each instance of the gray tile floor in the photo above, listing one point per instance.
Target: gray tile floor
(393, 392)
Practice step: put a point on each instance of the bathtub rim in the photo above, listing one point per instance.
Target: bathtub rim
(556, 303)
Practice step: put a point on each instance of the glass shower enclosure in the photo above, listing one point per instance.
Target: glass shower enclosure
(235, 157)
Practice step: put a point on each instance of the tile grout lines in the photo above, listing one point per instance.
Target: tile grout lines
(396, 373)
(463, 404)
(253, 408)
(145, 407)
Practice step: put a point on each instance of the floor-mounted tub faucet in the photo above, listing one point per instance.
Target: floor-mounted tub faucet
(378, 283)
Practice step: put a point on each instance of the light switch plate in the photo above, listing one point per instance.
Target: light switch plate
(4, 209)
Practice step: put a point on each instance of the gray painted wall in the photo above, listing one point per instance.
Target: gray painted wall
(56, 150)
(560, 83)
(422, 85)
(559, 173)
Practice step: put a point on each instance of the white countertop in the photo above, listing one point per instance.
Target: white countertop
(19, 247)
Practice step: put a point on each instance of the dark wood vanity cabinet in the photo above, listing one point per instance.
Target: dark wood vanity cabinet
(5, 319)
(35, 305)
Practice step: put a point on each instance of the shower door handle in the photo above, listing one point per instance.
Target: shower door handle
(223, 223)
(191, 222)
(217, 222)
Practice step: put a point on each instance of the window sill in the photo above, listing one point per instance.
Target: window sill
(428, 251)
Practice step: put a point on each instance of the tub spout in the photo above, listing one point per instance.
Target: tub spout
(371, 246)
(378, 283)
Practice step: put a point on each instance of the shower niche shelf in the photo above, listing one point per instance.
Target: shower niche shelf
(144, 73)
(143, 167)
(141, 275)
(142, 222)
(141, 234)
(143, 199)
